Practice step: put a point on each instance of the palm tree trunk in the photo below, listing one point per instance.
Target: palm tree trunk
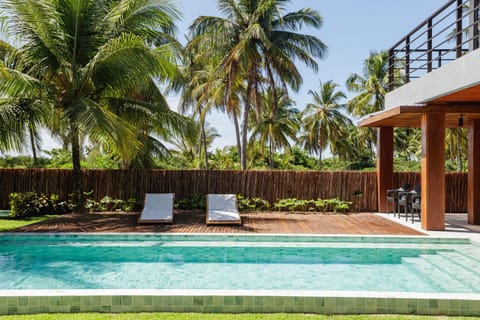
(77, 172)
(33, 145)
(270, 155)
(237, 133)
(459, 152)
(246, 113)
(320, 152)
(204, 143)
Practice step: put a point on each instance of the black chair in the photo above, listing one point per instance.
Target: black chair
(392, 196)
(405, 200)
(416, 206)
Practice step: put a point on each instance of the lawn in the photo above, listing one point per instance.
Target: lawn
(201, 316)
(12, 224)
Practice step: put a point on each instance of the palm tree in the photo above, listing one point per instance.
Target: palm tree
(371, 88)
(82, 57)
(255, 41)
(324, 123)
(277, 125)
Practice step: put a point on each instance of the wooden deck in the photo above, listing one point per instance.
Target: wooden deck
(253, 222)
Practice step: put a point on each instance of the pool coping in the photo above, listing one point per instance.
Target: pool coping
(238, 301)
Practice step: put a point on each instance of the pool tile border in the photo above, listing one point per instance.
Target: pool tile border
(236, 301)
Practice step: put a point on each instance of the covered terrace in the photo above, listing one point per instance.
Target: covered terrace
(434, 83)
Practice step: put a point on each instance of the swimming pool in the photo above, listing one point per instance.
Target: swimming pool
(226, 265)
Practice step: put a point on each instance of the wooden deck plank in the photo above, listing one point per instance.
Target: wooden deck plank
(253, 222)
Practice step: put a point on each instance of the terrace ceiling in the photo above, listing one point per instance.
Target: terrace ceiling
(465, 103)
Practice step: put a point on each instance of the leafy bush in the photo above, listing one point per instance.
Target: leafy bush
(252, 204)
(31, 204)
(197, 201)
(323, 205)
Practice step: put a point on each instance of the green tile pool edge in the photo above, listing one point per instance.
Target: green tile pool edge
(240, 303)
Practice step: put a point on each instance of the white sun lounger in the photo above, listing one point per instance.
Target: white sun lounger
(222, 209)
(158, 208)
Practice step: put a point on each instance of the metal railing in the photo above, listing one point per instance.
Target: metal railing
(446, 35)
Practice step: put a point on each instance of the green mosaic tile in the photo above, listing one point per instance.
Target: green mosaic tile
(198, 301)
(268, 301)
(105, 301)
(432, 304)
(320, 302)
(105, 308)
(422, 306)
(147, 301)
(177, 301)
(258, 301)
(116, 301)
(217, 301)
(279, 302)
(289, 301)
(75, 301)
(116, 308)
(12, 301)
(12, 310)
(3, 309)
(309, 301)
(137, 301)
(126, 300)
(187, 301)
(208, 309)
(23, 301)
(465, 306)
(74, 308)
(44, 309)
(228, 301)
(157, 301)
(3, 301)
(391, 305)
(218, 309)
(238, 301)
(248, 301)
(85, 301)
(208, 301)
(454, 305)
(31, 309)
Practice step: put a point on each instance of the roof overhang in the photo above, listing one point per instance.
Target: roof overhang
(411, 115)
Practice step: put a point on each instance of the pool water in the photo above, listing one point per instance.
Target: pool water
(239, 263)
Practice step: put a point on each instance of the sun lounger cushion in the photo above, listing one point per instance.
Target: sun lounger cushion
(222, 209)
(158, 208)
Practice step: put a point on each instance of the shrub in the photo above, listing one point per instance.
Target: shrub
(323, 205)
(197, 201)
(30, 204)
(252, 204)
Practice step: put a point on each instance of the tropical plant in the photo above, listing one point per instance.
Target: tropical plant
(90, 61)
(371, 87)
(255, 42)
(323, 120)
(276, 126)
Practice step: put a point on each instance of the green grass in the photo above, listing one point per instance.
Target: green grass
(12, 224)
(201, 316)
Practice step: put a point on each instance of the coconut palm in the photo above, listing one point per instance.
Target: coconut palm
(277, 125)
(82, 57)
(371, 88)
(324, 123)
(257, 41)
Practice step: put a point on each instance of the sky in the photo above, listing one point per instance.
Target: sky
(351, 30)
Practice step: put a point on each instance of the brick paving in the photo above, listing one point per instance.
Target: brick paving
(253, 222)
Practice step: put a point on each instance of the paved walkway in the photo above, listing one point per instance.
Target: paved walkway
(456, 226)
(253, 222)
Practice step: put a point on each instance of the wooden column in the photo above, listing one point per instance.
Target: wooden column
(433, 171)
(384, 166)
(473, 204)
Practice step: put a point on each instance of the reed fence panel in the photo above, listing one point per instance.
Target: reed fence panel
(355, 186)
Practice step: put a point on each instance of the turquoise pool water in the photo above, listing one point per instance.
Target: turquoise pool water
(239, 262)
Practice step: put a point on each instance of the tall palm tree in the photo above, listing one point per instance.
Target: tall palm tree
(82, 57)
(277, 125)
(371, 87)
(257, 41)
(324, 123)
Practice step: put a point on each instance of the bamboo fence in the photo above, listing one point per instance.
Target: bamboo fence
(355, 186)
